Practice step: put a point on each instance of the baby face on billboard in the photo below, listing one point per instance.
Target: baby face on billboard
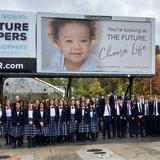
(74, 43)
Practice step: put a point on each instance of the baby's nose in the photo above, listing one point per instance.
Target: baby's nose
(77, 45)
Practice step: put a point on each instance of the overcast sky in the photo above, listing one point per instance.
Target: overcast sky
(136, 8)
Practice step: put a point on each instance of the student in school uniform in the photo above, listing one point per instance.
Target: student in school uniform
(52, 125)
(106, 114)
(77, 104)
(1, 121)
(8, 122)
(116, 118)
(22, 109)
(129, 107)
(42, 123)
(93, 122)
(30, 129)
(139, 115)
(123, 119)
(146, 117)
(156, 116)
(17, 124)
(72, 120)
(62, 122)
(83, 121)
(151, 117)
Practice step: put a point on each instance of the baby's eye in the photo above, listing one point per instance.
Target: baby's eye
(84, 40)
(68, 41)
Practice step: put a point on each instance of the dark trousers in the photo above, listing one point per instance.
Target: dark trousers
(116, 125)
(146, 125)
(31, 141)
(106, 126)
(9, 139)
(131, 125)
(156, 125)
(123, 127)
(82, 137)
(139, 126)
(72, 137)
(52, 139)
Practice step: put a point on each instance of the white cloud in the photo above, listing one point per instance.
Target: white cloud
(137, 8)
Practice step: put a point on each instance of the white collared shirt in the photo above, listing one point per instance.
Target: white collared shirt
(17, 113)
(52, 112)
(139, 107)
(0, 113)
(107, 110)
(156, 105)
(118, 110)
(91, 114)
(82, 112)
(146, 109)
(73, 110)
(8, 113)
(30, 114)
(60, 112)
(42, 113)
(129, 109)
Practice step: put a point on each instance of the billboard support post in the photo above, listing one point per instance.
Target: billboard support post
(1, 88)
(69, 86)
(130, 86)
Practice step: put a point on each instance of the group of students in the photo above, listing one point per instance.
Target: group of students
(56, 121)
(50, 123)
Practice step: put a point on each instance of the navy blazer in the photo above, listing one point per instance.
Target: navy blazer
(158, 108)
(5, 116)
(17, 118)
(69, 113)
(95, 116)
(26, 119)
(123, 112)
(103, 109)
(137, 113)
(151, 106)
(114, 111)
(56, 114)
(2, 118)
(86, 116)
(43, 119)
(63, 115)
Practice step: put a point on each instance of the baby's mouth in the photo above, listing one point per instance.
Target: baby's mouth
(76, 54)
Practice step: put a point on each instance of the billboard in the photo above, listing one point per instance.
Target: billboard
(17, 41)
(105, 45)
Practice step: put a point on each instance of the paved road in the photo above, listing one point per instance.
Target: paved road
(114, 149)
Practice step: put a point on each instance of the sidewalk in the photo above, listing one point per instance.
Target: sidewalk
(113, 149)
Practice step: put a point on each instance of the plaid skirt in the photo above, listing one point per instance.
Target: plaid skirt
(62, 128)
(43, 131)
(17, 131)
(72, 126)
(83, 126)
(93, 126)
(30, 130)
(1, 130)
(8, 126)
(52, 127)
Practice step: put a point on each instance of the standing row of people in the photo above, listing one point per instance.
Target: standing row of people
(61, 120)
(44, 124)
(140, 118)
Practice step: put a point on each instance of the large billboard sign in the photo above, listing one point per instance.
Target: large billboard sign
(17, 41)
(102, 45)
